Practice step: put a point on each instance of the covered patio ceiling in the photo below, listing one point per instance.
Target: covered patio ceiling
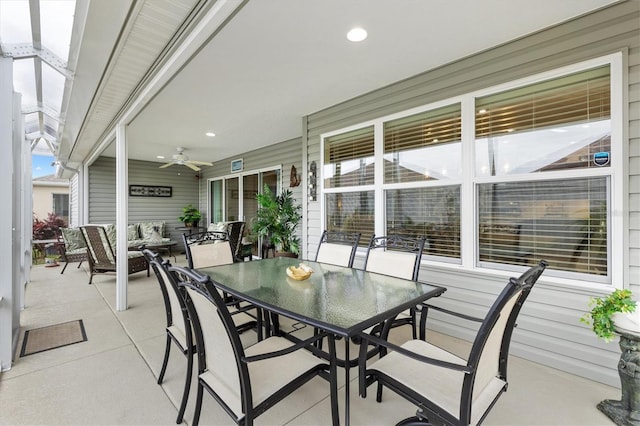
(268, 64)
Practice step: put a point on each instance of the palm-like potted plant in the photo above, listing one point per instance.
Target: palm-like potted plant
(190, 216)
(277, 218)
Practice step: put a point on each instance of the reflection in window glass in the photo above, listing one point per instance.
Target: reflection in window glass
(425, 146)
(61, 206)
(553, 125)
(562, 148)
(351, 212)
(432, 212)
(217, 205)
(348, 159)
(563, 222)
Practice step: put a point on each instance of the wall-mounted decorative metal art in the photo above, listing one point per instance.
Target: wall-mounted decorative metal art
(149, 191)
(313, 184)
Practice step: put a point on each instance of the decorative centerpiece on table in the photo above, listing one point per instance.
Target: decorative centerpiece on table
(613, 315)
(190, 216)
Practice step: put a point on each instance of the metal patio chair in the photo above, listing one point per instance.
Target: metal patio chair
(400, 257)
(246, 382)
(450, 390)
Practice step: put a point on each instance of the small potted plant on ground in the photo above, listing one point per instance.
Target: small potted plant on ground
(277, 219)
(190, 216)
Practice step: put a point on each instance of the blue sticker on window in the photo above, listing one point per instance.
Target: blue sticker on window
(601, 158)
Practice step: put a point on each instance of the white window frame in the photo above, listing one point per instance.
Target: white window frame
(468, 181)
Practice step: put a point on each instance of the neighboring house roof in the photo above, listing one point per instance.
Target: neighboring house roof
(49, 180)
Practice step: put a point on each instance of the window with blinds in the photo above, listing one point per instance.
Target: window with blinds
(349, 159)
(425, 146)
(539, 182)
(560, 124)
(351, 212)
(564, 222)
(432, 212)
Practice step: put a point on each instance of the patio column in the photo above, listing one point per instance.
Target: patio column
(8, 298)
(122, 207)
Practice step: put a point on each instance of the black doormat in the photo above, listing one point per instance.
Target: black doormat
(52, 336)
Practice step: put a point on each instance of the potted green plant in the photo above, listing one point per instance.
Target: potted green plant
(277, 218)
(190, 216)
(603, 312)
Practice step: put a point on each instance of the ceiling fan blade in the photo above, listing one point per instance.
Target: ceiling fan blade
(200, 163)
(166, 165)
(192, 167)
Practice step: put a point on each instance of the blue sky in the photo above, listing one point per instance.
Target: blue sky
(41, 165)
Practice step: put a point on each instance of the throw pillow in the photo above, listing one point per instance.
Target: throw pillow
(73, 239)
(132, 232)
(146, 229)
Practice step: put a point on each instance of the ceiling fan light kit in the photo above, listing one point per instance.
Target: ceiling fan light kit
(182, 160)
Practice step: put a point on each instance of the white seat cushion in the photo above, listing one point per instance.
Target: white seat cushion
(206, 255)
(335, 254)
(393, 263)
(441, 385)
(267, 376)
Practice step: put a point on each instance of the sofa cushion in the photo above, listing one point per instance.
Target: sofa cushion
(133, 232)
(146, 229)
(73, 239)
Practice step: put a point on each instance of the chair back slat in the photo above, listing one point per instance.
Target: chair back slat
(395, 255)
(219, 354)
(489, 363)
(401, 265)
(209, 248)
(337, 248)
(334, 254)
(175, 305)
(490, 350)
(206, 255)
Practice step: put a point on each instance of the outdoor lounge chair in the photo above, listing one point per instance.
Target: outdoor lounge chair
(72, 247)
(450, 390)
(102, 257)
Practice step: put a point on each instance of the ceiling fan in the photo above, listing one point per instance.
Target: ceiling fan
(181, 159)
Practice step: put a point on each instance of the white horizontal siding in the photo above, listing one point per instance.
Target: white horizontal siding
(182, 180)
(549, 329)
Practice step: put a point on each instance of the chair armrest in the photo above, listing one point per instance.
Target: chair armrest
(290, 349)
(427, 360)
(447, 311)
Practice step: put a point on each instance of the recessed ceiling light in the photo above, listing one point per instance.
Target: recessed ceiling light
(356, 34)
(210, 134)
(161, 157)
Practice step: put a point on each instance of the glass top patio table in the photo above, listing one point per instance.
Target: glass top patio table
(340, 300)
